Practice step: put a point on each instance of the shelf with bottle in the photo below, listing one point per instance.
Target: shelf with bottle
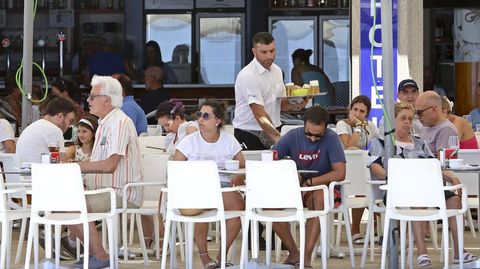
(308, 4)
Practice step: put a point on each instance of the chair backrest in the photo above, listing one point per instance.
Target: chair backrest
(252, 155)
(154, 130)
(193, 184)
(272, 184)
(357, 173)
(415, 183)
(229, 128)
(154, 169)
(57, 187)
(469, 180)
(286, 128)
(151, 141)
(10, 164)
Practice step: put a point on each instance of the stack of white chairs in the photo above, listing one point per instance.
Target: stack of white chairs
(407, 199)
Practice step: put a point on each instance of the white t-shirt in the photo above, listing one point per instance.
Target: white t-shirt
(195, 148)
(35, 138)
(257, 85)
(365, 139)
(181, 133)
(6, 133)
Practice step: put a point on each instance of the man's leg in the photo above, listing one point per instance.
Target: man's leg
(282, 229)
(454, 202)
(314, 202)
(95, 245)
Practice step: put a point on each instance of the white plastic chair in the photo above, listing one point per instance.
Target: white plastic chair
(407, 181)
(7, 216)
(470, 180)
(195, 185)
(154, 130)
(151, 144)
(252, 155)
(286, 128)
(273, 185)
(61, 207)
(11, 164)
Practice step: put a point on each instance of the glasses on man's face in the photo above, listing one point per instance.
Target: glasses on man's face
(203, 115)
(316, 136)
(420, 111)
(92, 96)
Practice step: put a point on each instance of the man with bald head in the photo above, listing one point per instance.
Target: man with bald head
(437, 128)
(154, 94)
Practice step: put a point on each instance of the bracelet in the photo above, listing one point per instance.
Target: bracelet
(357, 130)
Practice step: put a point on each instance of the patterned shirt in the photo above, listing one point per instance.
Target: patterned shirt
(116, 134)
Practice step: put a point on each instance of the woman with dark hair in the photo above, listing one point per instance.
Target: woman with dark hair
(356, 131)
(303, 72)
(171, 116)
(153, 57)
(211, 143)
(81, 152)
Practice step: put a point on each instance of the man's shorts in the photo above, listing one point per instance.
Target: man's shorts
(100, 203)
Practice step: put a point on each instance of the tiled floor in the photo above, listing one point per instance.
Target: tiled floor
(471, 244)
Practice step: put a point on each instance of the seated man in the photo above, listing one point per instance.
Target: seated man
(313, 147)
(115, 156)
(34, 140)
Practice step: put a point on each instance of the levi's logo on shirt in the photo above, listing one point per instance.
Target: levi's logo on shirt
(308, 156)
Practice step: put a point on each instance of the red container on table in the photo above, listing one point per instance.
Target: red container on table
(54, 157)
(449, 152)
(275, 154)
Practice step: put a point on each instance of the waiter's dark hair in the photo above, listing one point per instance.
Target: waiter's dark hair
(264, 38)
(316, 115)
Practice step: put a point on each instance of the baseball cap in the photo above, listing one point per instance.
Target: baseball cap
(407, 83)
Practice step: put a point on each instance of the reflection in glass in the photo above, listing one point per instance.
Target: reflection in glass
(336, 49)
(173, 32)
(220, 49)
(291, 34)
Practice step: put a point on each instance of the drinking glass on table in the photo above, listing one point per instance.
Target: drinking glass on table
(453, 142)
(54, 148)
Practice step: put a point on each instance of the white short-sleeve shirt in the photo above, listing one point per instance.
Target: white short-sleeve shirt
(6, 133)
(257, 85)
(116, 134)
(195, 148)
(35, 138)
(365, 139)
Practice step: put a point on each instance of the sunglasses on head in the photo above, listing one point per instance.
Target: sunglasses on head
(204, 115)
(307, 133)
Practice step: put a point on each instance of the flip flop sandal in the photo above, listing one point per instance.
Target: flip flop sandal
(297, 266)
(467, 257)
(358, 239)
(211, 265)
(424, 260)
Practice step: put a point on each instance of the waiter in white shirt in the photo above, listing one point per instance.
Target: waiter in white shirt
(257, 90)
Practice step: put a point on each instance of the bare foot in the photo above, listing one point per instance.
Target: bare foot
(292, 258)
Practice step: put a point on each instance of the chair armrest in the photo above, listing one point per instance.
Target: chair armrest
(377, 182)
(326, 195)
(164, 189)
(331, 187)
(113, 198)
(384, 187)
(230, 189)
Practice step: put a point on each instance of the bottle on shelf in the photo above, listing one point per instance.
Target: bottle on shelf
(110, 4)
(302, 3)
(439, 29)
(121, 4)
(309, 3)
(285, 3)
(321, 3)
(293, 3)
(345, 3)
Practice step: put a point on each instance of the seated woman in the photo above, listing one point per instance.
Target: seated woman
(211, 143)
(81, 152)
(410, 146)
(357, 132)
(465, 132)
(171, 116)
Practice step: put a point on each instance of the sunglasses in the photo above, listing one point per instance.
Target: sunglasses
(92, 96)
(307, 133)
(420, 112)
(204, 115)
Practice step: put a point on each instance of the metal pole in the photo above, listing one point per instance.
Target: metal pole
(387, 56)
(27, 62)
(61, 38)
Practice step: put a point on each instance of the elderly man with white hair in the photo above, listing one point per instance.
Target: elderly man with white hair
(116, 152)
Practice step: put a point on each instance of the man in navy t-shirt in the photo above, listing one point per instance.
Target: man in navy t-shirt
(313, 147)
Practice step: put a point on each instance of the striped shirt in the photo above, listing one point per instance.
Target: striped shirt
(116, 134)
